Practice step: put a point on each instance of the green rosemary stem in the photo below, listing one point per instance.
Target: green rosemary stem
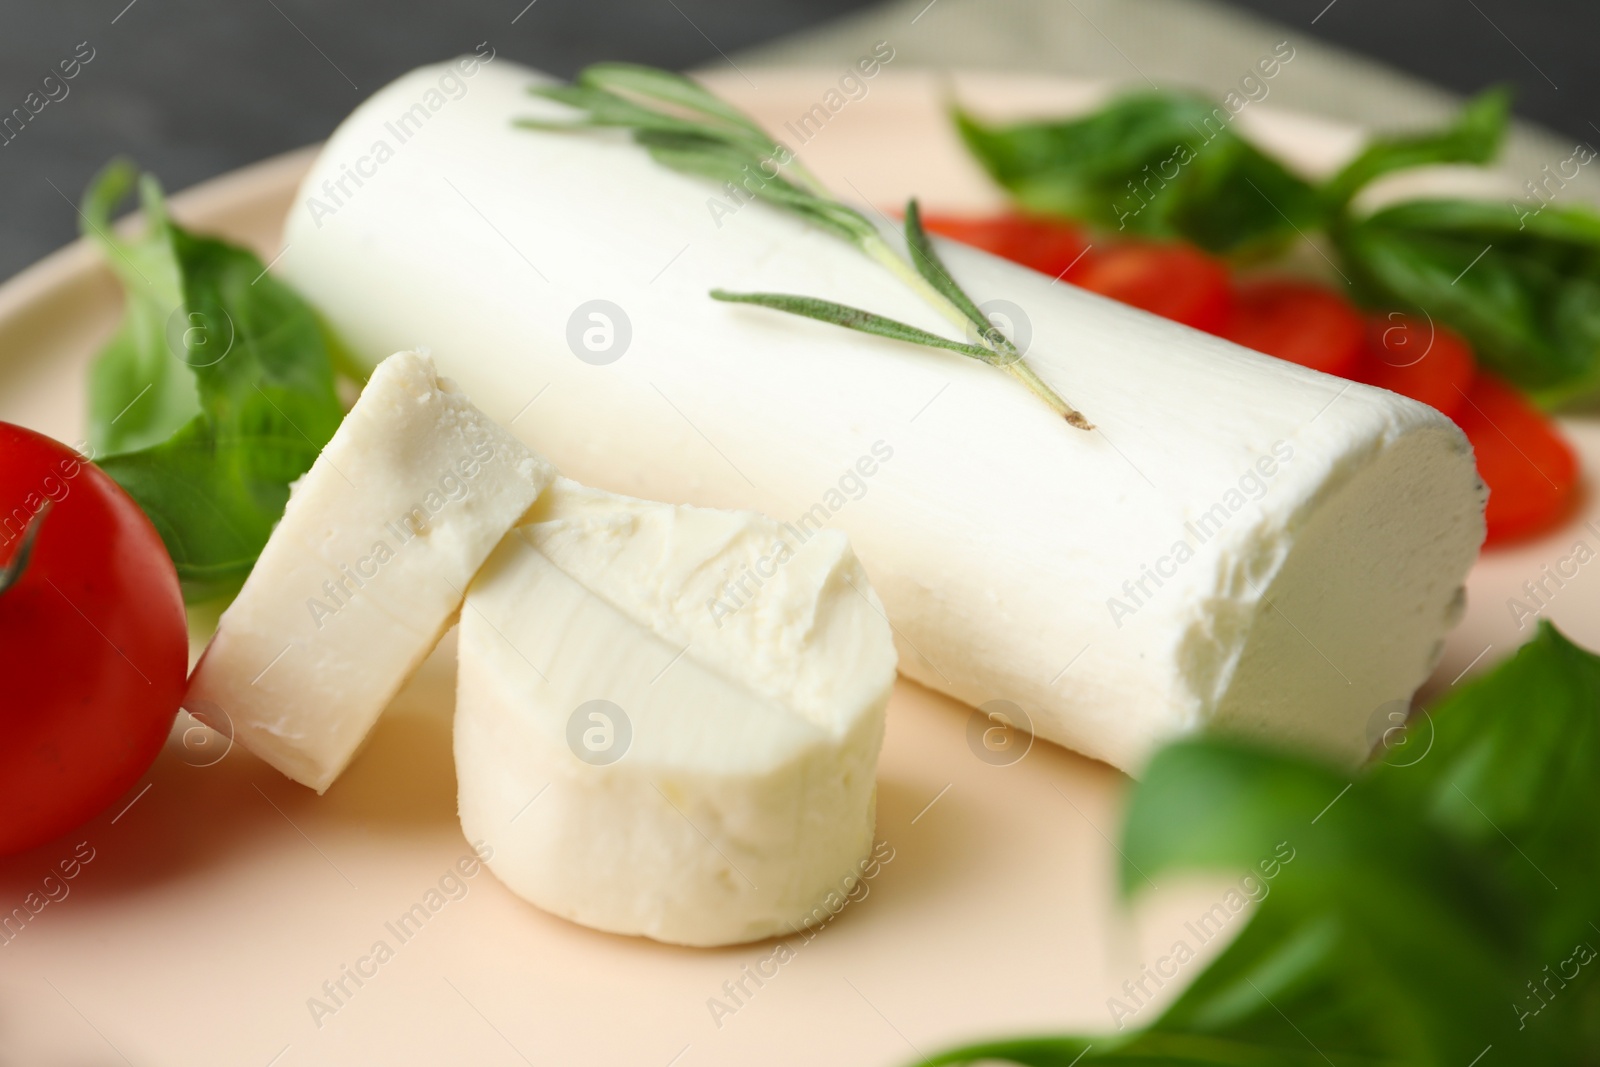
(880, 251)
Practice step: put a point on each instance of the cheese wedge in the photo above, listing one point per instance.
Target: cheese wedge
(364, 572)
(1242, 544)
(668, 718)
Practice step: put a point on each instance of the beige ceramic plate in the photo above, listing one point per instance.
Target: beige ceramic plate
(229, 916)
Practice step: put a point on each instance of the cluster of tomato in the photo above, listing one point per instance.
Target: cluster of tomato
(1531, 471)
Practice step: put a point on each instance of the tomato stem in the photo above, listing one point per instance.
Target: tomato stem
(11, 573)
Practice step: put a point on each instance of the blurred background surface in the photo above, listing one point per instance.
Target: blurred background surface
(193, 89)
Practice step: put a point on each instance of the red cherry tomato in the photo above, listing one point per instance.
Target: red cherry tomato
(1046, 245)
(1301, 322)
(1417, 358)
(92, 640)
(1174, 281)
(1532, 474)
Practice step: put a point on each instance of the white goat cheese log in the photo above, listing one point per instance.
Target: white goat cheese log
(1242, 543)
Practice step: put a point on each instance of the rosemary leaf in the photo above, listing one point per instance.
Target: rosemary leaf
(726, 148)
(603, 109)
(667, 87)
(689, 130)
(932, 269)
(728, 164)
(855, 319)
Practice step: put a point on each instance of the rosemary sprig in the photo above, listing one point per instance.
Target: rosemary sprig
(690, 130)
(856, 319)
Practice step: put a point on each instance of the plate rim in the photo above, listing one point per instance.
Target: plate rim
(205, 200)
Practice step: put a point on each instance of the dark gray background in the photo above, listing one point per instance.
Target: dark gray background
(193, 88)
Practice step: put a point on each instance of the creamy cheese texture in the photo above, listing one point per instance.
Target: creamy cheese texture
(364, 572)
(668, 718)
(1241, 543)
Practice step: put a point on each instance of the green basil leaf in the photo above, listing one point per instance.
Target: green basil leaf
(213, 499)
(259, 362)
(1474, 137)
(1374, 936)
(1161, 165)
(1523, 288)
(1407, 916)
(1509, 768)
(139, 392)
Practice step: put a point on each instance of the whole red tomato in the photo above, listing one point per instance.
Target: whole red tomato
(93, 647)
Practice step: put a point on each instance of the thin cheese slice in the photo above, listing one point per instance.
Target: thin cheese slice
(365, 571)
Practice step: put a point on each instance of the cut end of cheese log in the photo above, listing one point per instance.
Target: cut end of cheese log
(1355, 588)
(668, 718)
(1242, 544)
(364, 572)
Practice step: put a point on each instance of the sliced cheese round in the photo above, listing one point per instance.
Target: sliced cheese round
(668, 718)
(364, 572)
(1241, 543)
